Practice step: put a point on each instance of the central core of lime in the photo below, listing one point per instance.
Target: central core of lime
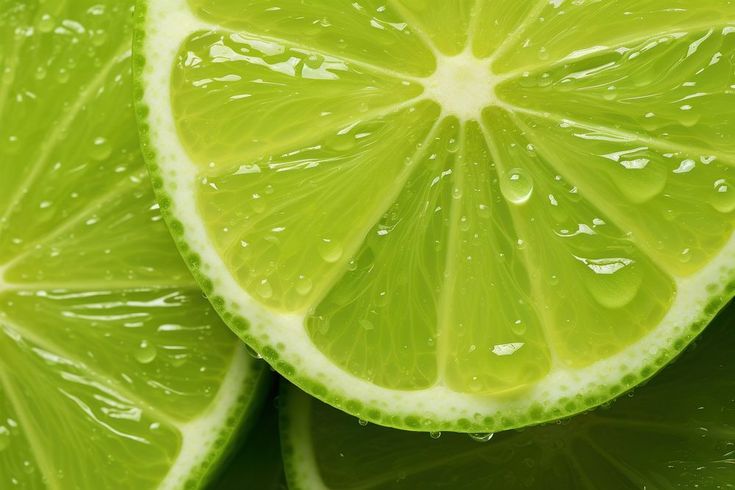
(462, 84)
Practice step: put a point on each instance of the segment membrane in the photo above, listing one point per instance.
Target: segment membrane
(145, 339)
(548, 233)
(369, 31)
(55, 398)
(219, 77)
(598, 291)
(492, 338)
(564, 30)
(379, 321)
(673, 90)
(342, 181)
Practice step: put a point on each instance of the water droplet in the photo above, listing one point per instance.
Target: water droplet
(517, 187)
(362, 422)
(62, 76)
(613, 282)
(640, 179)
(98, 37)
(483, 211)
(330, 250)
(352, 265)
(435, 435)
(464, 223)
(258, 203)
(453, 144)
(341, 141)
(518, 327)
(40, 72)
(366, 324)
(724, 197)
(101, 149)
(4, 437)
(46, 23)
(303, 285)
(456, 193)
(251, 352)
(145, 353)
(481, 436)
(264, 289)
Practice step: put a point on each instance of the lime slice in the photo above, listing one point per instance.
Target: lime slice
(114, 370)
(257, 464)
(460, 215)
(676, 432)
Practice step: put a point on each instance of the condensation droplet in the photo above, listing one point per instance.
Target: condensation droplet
(62, 76)
(264, 289)
(517, 187)
(251, 352)
(330, 250)
(723, 199)
(46, 23)
(518, 327)
(435, 435)
(303, 285)
(613, 282)
(258, 203)
(4, 437)
(101, 149)
(362, 422)
(145, 353)
(481, 436)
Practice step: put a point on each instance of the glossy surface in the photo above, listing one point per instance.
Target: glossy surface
(109, 354)
(677, 432)
(447, 207)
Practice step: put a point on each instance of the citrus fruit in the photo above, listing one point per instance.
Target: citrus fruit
(114, 370)
(257, 463)
(460, 215)
(677, 432)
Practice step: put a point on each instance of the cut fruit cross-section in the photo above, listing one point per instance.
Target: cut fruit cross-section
(464, 215)
(631, 444)
(115, 372)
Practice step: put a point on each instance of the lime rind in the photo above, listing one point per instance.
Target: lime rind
(76, 394)
(281, 339)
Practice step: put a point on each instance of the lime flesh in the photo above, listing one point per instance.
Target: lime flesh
(470, 217)
(677, 432)
(114, 370)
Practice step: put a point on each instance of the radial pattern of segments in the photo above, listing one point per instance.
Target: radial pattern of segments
(466, 193)
(107, 348)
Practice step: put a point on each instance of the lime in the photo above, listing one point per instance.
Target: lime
(677, 432)
(257, 464)
(114, 370)
(459, 215)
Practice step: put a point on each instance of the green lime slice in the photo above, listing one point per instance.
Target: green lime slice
(463, 215)
(677, 432)
(114, 370)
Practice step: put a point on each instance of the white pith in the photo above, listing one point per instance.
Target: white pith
(198, 436)
(303, 467)
(168, 23)
(203, 436)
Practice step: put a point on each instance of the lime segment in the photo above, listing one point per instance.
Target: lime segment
(630, 444)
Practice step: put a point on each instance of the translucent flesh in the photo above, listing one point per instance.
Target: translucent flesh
(480, 253)
(107, 347)
(631, 444)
